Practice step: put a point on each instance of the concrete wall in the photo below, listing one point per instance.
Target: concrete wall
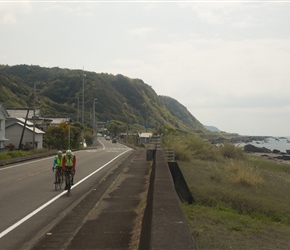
(164, 225)
(3, 116)
(13, 133)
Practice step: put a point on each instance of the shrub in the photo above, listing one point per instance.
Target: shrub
(231, 151)
(13, 154)
(191, 146)
(4, 156)
(244, 174)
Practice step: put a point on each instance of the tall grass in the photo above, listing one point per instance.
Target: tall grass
(241, 201)
(226, 177)
(189, 147)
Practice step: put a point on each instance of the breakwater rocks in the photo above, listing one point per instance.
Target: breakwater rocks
(239, 139)
(275, 154)
(250, 148)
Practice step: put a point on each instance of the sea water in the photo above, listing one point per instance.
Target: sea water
(280, 143)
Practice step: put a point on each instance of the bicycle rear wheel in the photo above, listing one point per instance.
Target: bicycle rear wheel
(68, 183)
(58, 182)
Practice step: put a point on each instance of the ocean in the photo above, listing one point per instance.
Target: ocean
(279, 143)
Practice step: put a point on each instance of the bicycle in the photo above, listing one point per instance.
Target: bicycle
(58, 179)
(68, 180)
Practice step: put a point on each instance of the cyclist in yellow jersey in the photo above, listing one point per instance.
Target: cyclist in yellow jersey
(69, 161)
(57, 165)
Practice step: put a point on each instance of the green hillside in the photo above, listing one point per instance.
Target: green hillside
(59, 91)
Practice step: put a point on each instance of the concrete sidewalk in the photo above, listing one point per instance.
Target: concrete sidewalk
(112, 221)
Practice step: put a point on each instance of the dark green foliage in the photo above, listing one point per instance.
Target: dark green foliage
(57, 137)
(13, 154)
(116, 127)
(180, 112)
(58, 92)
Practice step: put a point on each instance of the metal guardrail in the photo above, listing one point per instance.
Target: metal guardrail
(169, 154)
(155, 143)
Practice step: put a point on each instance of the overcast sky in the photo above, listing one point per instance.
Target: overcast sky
(227, 62)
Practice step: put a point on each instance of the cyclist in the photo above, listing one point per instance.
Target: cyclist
(57, 165)
(69, 162)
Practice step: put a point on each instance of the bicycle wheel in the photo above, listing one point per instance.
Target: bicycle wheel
(68, 183)
(59, 180)
(56, 182)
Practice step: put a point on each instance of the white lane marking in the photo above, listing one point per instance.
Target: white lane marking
(9, 229)
(101, 143)
(24, 163)
(42, 159)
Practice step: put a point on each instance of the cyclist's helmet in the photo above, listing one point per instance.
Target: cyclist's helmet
(68, 152)
(59, 152)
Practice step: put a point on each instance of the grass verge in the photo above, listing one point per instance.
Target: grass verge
(240, 203)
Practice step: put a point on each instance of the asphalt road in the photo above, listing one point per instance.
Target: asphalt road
(29, 205)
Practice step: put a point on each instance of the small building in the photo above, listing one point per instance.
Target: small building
(3, 116)
(57, 121)
(17, 129)
(144, 138)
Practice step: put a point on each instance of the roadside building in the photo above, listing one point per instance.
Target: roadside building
(144, 138)
(21, 135)
(3, 116)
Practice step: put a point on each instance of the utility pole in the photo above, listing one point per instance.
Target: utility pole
(83, 107)
(68, 122)
(78, 106)
(33, 116)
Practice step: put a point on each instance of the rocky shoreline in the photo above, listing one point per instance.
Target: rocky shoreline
(259, 151)
(272, 156)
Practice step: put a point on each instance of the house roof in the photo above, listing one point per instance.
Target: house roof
(56, 121)
(37, 131)
(145, 135)
(22, 112)
(21, 121)
(28, 123)
(12, 120)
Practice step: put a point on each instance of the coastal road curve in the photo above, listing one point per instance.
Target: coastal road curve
(29, 205)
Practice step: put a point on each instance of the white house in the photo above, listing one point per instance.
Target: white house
(144, 138)
(15, 130)
(3, 116)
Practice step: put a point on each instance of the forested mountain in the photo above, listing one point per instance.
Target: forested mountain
(59, 93)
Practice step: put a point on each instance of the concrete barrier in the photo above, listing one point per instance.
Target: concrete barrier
(180, 184)
(164, 224)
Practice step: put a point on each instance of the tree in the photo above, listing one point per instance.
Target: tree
(116, 127)
(57, 136)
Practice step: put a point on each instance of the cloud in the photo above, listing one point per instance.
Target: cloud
(240, 15)
(221, 60)
(246, 121)
(10, 12)
(142, 31)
